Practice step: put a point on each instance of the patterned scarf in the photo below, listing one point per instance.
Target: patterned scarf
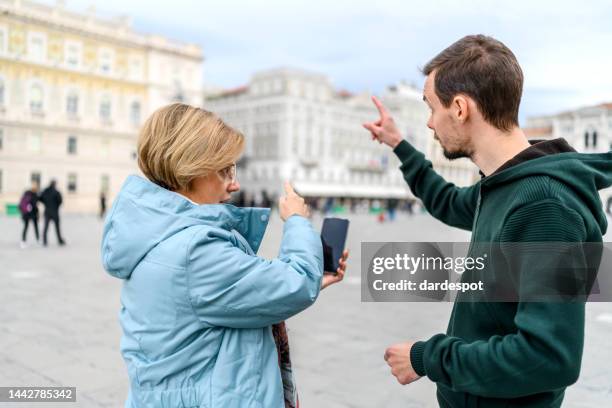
(279, 331)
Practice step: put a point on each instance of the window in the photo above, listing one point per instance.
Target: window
(37, 46)
(72, 183)
(106, 60)
(136, 68)
(1, 138)
(35, 177)
(105, 149)
(2, 90)
(105, 108)
(594, 138)
(135, 113)
(104, 183)
(178, 91)
(72, 145)
(72, 104)
(36, 98)
(3, 39)
(73, 51)
(277, 85)
(34, 144)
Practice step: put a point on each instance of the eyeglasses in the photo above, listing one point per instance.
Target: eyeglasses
(230, 174)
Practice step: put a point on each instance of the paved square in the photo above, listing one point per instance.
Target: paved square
(59, 327)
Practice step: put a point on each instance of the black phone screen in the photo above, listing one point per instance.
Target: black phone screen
(333, 238)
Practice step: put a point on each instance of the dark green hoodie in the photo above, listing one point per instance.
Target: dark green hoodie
(512, 354)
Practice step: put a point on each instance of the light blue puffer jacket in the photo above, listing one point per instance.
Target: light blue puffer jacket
(197, 304)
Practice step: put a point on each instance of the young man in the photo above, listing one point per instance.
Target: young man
(498, 354)
(52, 199)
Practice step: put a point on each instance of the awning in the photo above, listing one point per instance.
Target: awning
(309, 189)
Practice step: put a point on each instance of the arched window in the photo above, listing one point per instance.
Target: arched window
(36, 98)
(594, 134)
(135, 113)
(105, 108)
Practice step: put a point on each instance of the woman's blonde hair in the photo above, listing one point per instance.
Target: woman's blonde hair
(179, 142)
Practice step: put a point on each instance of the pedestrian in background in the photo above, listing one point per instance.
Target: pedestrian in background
(392, 204)
(52, 199)
(28, 206)
(102, 204)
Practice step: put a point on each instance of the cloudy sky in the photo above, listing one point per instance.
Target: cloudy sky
(564, 47)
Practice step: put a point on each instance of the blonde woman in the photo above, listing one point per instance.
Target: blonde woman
(202, 315)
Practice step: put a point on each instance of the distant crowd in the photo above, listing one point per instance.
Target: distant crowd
(383, 209)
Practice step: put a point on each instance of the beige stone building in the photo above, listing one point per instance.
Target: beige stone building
(587, 129)
(298, 127)
(74, 89)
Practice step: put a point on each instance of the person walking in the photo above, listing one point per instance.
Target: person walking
(392, 204)
(28, 206)
(495, 353)
(102, 204)
(52, 199)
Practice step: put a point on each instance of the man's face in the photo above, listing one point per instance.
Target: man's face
(447, 130)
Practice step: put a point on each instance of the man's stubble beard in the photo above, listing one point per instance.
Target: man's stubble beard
(457, 154)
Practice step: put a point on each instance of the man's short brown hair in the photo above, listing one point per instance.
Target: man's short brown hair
(484, 69)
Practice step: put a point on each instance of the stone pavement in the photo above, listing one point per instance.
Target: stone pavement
(58, 324)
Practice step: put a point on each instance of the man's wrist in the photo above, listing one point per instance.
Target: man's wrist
(416, 358)
(397, 140)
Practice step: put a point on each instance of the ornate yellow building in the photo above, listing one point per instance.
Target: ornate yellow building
(74, 89)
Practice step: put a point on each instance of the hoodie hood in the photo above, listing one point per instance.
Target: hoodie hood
(145, 214)
(584, 173)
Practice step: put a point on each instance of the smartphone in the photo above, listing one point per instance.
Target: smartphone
(333, 238)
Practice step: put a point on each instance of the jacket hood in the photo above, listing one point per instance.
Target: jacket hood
(583, 173)
(145, 214)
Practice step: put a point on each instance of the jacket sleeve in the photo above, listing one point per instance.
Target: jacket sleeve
(454, 206)
(545, 351)
(230, 288)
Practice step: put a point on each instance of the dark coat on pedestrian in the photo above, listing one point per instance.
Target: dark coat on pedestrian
(52, 199)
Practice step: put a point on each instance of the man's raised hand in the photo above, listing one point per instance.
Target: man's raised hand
(384, 129)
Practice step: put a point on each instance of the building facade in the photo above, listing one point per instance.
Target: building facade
(587, 130)
(299, 128)
(74, 90)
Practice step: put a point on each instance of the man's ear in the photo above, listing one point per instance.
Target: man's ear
(460, 108)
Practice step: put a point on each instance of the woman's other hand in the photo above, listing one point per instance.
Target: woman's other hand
(292, 204)
(329, 278)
